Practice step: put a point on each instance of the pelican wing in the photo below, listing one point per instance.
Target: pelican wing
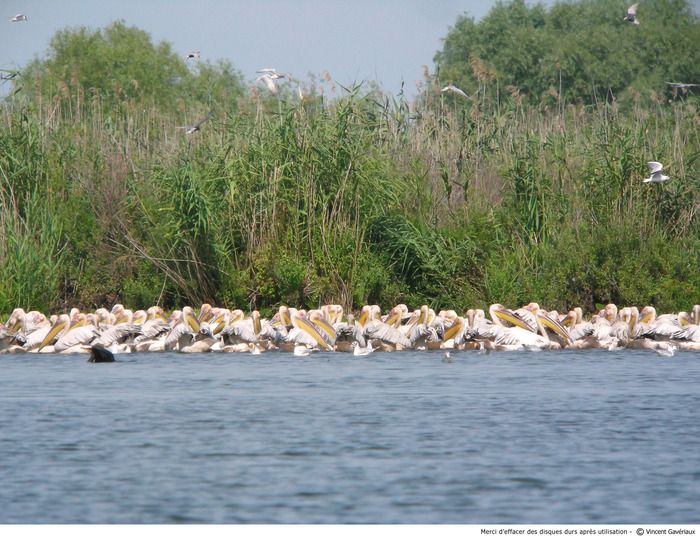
(117, 334)
(241, 332)
(379, 330)
(579, 331)
(662, 330)
(300, 337)
(79, 335)
(517, 336)
(632, 10)
(179, 331)
(273, 333)
(152, 329)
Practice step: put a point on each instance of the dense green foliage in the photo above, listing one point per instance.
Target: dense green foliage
(120, 64)
(360, 199)
(574, 50)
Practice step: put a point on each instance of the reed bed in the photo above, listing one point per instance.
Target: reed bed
(364, 198)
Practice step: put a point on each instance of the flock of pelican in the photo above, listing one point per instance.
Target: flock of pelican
(215, 329)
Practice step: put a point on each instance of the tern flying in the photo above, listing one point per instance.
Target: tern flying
(189, 129)
(656, 176)
(632, 14)
(681, 84)
(453, 89)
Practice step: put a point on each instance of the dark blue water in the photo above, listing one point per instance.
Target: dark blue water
(566, 437)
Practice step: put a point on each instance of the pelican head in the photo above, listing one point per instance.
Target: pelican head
(610, 312)
(205, 313)
(104, 316)
(648, 315)
(394, 317)
(570, 319)
(14, 323)
(154, 312)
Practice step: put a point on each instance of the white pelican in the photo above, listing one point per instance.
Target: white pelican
(192, 55)
(519, 336)
(69, 339)
(577, 327)
(183, 331)
(19, 18)
(662, 328)
(456, 334)
(691, 332)
(307, 331)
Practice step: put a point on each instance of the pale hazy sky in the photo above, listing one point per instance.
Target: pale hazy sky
(382, 40)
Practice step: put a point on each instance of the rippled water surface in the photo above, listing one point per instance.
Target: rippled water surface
(568, 437)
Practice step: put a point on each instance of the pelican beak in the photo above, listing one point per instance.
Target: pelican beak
(326, 328)
(59, 326)
(455, 328)
(257, 328)
(394, 318)
(14, 328)
(306, 326)
(192, 321)
(423, 318)
(220, 325)
(555, 326)
(509, 316)
(568, 321)
(285, 318)
(363, 317)
(79, 323)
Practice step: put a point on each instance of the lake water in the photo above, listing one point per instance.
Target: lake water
(558, 437)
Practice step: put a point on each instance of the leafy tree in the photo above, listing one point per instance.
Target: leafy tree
(121, 63)
(574, 50)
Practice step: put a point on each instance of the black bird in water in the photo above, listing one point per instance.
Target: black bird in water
(98, 354)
